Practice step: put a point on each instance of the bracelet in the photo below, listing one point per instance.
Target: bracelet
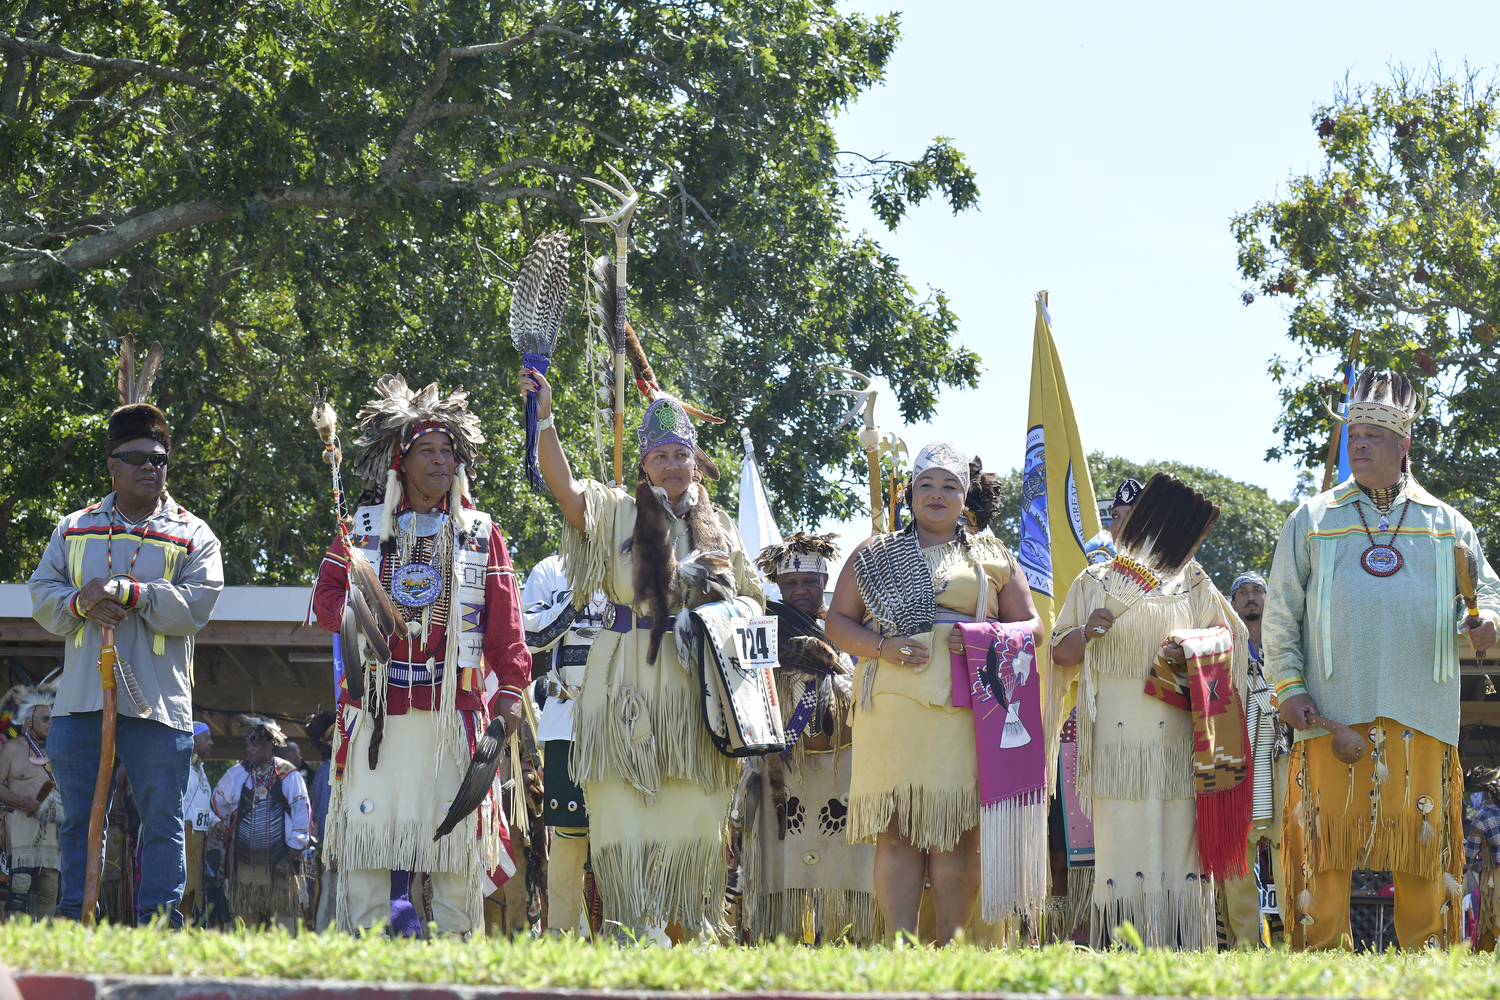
(546, 422)
(880, 645)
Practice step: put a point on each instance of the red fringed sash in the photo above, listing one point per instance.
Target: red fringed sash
(1205, 687)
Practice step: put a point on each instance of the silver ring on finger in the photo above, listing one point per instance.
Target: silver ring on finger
(1100, 630)
(907, 651)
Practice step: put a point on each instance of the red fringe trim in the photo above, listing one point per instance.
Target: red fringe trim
(1224, 829)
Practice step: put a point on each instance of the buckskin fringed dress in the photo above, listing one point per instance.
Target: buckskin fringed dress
(914, 759)
(657, 790)
(1135, 760)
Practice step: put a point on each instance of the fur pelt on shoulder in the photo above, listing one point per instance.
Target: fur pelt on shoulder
(654, 575)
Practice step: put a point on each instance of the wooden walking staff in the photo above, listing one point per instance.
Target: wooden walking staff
(95, 868)
(619, 221)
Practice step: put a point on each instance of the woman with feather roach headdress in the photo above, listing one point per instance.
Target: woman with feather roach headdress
(419, 723)
(914, 788)
(1135, 750)
(657, 789)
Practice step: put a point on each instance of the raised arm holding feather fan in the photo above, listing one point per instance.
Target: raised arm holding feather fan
(657, 788)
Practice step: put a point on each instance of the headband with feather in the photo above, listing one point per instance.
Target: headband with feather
(800, 553)
(536, 311)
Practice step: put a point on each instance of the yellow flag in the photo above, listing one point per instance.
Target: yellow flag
(1058, 512)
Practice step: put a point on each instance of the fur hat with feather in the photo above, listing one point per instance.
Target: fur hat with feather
(136, 418)
(389, 423)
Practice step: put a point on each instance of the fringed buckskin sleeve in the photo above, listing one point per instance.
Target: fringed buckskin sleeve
(585, 554)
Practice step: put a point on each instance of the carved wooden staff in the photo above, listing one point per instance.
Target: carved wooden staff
(619, 221)
(95, 868)
(869, 440)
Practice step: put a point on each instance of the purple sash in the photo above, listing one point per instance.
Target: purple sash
(1000, 680)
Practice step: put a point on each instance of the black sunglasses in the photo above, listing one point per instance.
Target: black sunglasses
(156, 458)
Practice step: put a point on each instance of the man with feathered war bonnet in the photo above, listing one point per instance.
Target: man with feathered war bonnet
(403, 745)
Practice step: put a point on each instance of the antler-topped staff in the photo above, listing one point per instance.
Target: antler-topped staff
(869, 440)
(619, 221)
(369, 615)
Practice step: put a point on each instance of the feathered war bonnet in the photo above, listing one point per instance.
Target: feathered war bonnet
(398, 416)
(22, 700)
(258, 727)
(801, 553)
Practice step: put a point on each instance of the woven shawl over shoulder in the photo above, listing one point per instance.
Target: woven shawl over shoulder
(896, 584)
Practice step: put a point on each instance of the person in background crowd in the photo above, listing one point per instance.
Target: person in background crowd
(263, 802)
(1242, 896)
(559, 637)
(320, 730)
(1482, 849)
(138, 563)
(796, 804)
(34, 808)
(197, 822)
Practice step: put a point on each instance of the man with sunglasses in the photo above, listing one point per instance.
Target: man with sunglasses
(139, 563)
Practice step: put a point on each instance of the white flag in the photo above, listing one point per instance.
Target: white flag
(757, 523)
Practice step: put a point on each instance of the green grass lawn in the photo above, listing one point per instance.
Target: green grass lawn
(556, 963)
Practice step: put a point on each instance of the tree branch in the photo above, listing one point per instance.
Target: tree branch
(422, 112)
(92, 251)
(48, 50)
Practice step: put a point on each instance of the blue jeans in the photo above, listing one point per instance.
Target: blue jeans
(157, 758)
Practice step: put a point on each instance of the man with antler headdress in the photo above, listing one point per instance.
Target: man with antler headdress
(29, 793)
(263, 803)
(1360, 629)
(797, 859)
(139, 563)
(453, 660)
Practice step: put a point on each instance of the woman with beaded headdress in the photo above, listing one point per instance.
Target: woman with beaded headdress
(915, 785)
(403, 745)
(657, 789)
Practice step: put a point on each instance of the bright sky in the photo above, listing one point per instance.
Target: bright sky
(1112, 143)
